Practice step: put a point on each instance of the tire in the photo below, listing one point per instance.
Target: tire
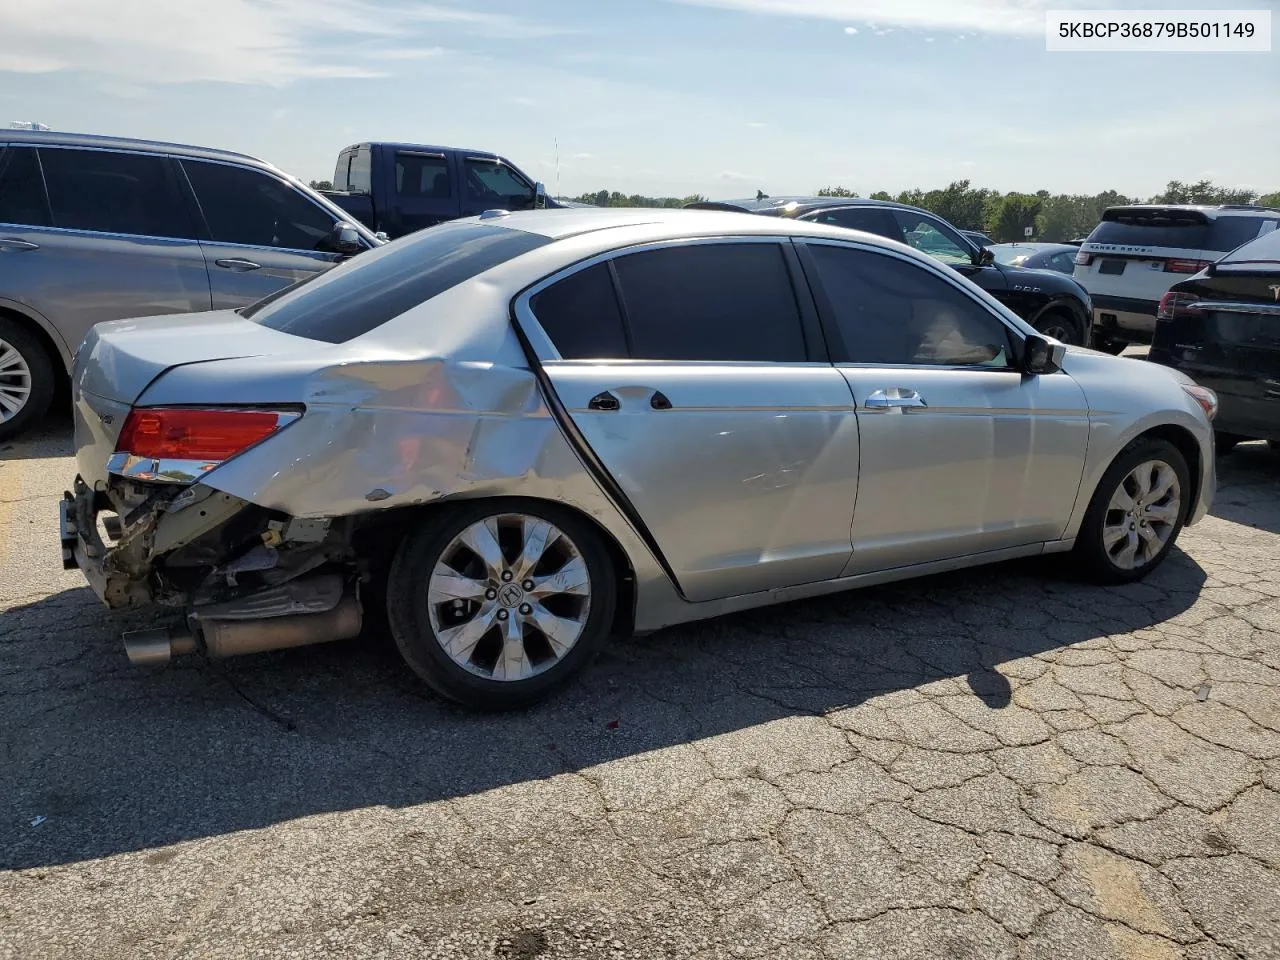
(1114, 347)
(476, 593)
(26, 379)
(1102, 520)
(1060, 325)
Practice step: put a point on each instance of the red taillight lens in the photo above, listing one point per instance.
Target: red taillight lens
(1174, 305)
(1083, 259)
(187, 434)
(1185, 266)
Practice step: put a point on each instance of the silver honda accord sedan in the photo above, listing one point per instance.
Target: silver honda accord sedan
(520, 433)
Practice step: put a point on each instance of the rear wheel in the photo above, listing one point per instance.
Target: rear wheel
(26, 379)
(1136, 512)
(1061, 326)
(500, 602)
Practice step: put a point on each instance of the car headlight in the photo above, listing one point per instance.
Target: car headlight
(1207, 399)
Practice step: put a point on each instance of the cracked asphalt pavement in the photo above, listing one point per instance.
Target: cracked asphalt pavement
(993, 764)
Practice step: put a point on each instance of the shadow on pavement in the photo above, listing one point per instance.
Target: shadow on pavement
(1249, 487)
(119, 759)
(51, 437)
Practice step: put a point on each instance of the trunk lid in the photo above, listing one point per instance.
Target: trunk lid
(118, 360)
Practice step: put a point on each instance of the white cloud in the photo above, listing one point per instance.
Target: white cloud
(851, 30)
(738, 177)
(976, 16)
(757, 124)
(583, 156)
(238, 41)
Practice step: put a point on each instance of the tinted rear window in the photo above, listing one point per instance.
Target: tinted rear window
(365, 292)
(1220, 235)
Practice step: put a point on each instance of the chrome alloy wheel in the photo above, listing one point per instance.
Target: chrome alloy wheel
(15, 381)
(1142, 515)
(509, 597)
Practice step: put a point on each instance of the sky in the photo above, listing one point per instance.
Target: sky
(659, 97)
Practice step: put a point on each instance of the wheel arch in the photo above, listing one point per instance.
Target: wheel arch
(375, 538)
(1063, 303)
(53, 344)
(1187, 445)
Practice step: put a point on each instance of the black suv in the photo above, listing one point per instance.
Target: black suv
(1222, 328)
(1051, 302)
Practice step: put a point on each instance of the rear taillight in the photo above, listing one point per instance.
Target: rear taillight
(209, 436)
(1185, 266)
(1174, 305)
(1083, 259)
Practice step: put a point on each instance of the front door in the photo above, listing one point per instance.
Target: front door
(737, 449)
(960, 453)
(261, 234)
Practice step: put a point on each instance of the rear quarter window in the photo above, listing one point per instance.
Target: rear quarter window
(366, 291)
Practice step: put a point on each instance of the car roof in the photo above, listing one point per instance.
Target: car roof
(670, 222)
(1210, 210)
(420, 148)
(64, 139)
(798, 206)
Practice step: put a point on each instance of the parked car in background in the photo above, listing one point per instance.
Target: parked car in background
(1222, 328)
(397, 188)
(1137, 253)
(1055, 305)
(525, 432)
(981, 239)
(1059, 257)
(100, 228)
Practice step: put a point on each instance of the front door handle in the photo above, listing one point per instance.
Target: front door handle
(238, 265)
(16, 245)
(603, 401)
(893, 398)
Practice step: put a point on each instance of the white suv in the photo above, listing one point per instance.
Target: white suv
(1137, 253)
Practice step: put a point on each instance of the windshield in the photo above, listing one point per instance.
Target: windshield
(368, 290)
(1011, 256)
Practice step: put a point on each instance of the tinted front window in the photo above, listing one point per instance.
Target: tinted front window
(423, 175)
(250, 207)
(366, 291)
(580, 315)
(929, 236)
(890, 311)
(22, 199)
(109, 192)
(729, 301)
(495, 181)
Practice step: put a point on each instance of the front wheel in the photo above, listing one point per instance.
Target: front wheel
(1136, 512)
(497, 603)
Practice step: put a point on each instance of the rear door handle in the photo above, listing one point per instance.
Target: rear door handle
(603, 401)
(16, 245)
(893, 398)
(660, 401)
(238, 265)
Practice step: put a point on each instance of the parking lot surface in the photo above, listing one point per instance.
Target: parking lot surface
(994, 764)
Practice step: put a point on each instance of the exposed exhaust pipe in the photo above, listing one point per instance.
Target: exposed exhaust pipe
(234, 638)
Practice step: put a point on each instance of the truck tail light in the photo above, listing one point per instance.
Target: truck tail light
(1174, 305)
(207, 435)
(1185, 266)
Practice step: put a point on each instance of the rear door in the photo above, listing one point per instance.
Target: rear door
(260, 233)
(695, 375)
(425, 186)
(115, 239)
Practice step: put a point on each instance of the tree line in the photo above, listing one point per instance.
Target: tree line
(1002, 216)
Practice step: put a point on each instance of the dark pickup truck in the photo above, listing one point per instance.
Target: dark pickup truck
(397, 188)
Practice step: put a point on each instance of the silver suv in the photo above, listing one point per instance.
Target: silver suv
(101, 228)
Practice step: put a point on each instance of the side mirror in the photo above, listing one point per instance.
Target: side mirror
(1041, 356)
(539, 195)
(343, 238)
(986, 257)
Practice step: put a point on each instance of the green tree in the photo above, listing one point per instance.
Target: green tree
(321, 185)
(1015, 213)
(1269, 199)
(836, 192)
(1202, 191)
(881, 195)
